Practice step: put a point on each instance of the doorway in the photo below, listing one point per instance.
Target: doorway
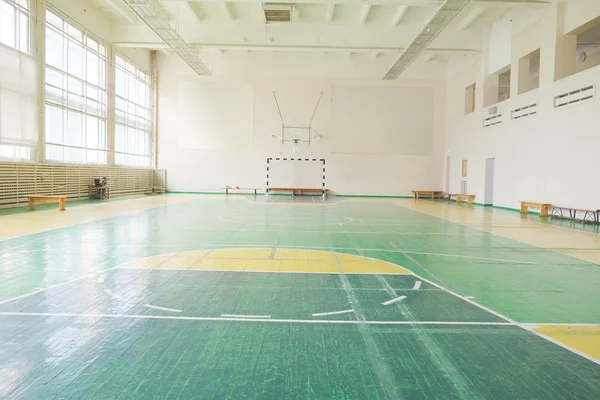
(489, 181)
(447, 188)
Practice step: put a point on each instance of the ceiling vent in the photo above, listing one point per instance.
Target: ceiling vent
(276, 12)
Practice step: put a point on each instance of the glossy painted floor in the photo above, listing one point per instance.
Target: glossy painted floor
(189, 296)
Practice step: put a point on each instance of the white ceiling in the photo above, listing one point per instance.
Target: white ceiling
(374, 28)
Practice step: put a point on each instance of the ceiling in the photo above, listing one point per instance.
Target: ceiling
(378, 29)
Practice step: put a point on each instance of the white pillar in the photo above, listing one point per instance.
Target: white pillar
(110, 104)
(40, 54)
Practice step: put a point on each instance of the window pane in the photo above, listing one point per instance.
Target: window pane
(74, 129)
(74, 32)
(54, 78)
(54, 48)
(53, 19)
(119, 138)
(93, 137)
(73, 155)
(120, 83)
(54, 125)
(93, 68)
(8, 24)
(54, 153)
(75, 59)
(24, 32)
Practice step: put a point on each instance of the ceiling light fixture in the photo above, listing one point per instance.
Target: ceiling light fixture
(442, 17)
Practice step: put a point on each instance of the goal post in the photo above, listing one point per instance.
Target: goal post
(296, 173)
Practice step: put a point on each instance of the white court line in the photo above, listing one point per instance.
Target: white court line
(469, 297)
(162, 308)
(52, 287)
(255, 319)
(417, 285)
(397, 299)
(522, 326)
(236, 316)
(332, 313)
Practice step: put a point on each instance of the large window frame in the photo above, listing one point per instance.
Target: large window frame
(17, 25)
(76, 99)
(16, 14)
(133, 114)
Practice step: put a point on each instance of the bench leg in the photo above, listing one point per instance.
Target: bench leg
(524, 209)
(470, 201)
(31, 204)
(61, 205)
(544, 211)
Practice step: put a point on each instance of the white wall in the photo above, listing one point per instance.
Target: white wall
(383, 156)
(551, 157)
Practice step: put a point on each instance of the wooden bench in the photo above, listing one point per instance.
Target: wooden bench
(589, 216)
(300, 191)
(469, 197)
(543, 207)
(226, 189)
(431, 193)
(47, 199)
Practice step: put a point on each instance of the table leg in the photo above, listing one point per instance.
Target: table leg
(61, 204)
(31, 204)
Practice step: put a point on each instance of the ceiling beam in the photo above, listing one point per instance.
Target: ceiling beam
(410, 3)
(399, 15)
(341, 49)
(473, 14)
(122, 9)
(330, 11)
(227, 11)
(364, 14)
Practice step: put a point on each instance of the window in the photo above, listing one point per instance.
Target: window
(18, 82)
(76, 96)
(470, 99)
(464, 168)
(588, 46)
(504, 86)
(15, 23)
(529, 72)
(132, 115)
(15, 152)
(497, 87)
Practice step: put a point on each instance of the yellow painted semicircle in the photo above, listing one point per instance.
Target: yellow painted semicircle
(267, 260)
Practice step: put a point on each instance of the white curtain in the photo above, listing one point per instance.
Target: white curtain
(18, 98)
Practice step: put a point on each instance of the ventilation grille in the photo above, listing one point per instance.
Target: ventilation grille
(275, 12)
(493, 120)
(526, 111)
(18, 180)
(463, 187)
(576, 96)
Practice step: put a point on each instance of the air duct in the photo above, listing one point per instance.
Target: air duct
(150, 14)
(442, 17)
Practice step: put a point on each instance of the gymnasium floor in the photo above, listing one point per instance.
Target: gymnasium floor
(212, 297)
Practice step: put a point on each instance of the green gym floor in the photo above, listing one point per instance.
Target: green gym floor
(244, 297)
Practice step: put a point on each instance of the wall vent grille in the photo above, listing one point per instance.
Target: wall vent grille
(493, 120)
(525, 111)
(575, 96)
